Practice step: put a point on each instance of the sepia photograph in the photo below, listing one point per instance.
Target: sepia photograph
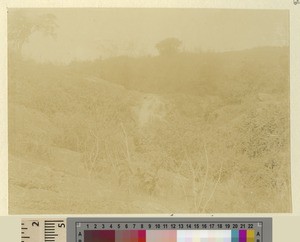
(148, 110)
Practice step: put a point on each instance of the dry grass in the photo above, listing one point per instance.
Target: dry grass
(145, 145)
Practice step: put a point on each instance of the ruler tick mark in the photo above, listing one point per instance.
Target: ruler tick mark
(54, 221)
(51, 236)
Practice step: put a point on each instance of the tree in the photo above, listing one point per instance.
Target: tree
(21, 26)
(169, 46)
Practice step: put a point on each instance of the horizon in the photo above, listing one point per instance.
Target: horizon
(57, 63)
(86, 34)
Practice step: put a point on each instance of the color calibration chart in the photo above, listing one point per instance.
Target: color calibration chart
(169, 230)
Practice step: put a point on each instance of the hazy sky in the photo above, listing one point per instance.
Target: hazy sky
(90, 33)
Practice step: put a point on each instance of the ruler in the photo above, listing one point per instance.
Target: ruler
(79, 229)
(43, 230)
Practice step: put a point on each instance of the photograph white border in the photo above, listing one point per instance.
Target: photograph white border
(219, 4)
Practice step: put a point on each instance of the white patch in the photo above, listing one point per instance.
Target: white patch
(151, 109)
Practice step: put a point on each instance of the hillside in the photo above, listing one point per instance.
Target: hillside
(204, 132)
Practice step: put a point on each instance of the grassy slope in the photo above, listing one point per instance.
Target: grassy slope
(208, 152)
